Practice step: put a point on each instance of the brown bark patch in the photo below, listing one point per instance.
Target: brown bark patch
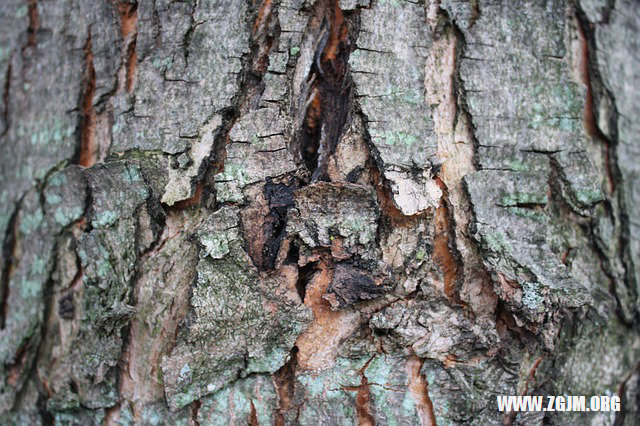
(262, 36)
(128, 13)
(253, 415)
(263, 14)
(363, 400)
(284, 381)
(443, 254)
(327, 107)
(161, 274)
(338, 30)
(318, 344)
(15, 369)
(88, 151)
(364, 411)
(34, 22)
(363, 404)
(419, 389)
(128, 17)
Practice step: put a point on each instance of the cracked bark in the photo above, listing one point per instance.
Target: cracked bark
(330, 211)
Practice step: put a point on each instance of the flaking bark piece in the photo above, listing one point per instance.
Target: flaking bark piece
(351, 285)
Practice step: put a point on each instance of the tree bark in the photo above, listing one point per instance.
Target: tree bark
(317, 211)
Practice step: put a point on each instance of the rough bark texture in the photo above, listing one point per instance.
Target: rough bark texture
(317, 211)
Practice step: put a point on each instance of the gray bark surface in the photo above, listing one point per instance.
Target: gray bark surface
(374, 212)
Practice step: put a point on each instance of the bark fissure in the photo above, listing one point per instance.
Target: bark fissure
(285, 381)
(34, 24)
(419, 389)
(5, 100)
(9, 247)
(87, 151)
(328, 90)
(616, 205)
(465, 273)
(129, 30)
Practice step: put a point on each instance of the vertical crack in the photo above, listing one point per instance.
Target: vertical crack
(280, 200)
(129, 30)
(195, 408)
(34, 18)
(589, 114)
(444, 252)
(364, 411)
(5, 100)
(9, 251)
(510, 417)
(616, 205)
(419, 389)
(622, 394)
(253, 415)
(305, 274)
(263, 37)
(466, 279)
(327, 94)
(87, 154)
(285, 381)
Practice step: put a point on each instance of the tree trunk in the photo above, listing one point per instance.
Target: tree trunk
(317, 211)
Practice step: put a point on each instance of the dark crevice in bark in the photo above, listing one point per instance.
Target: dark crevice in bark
(264, 35)
(46, 416)
(157, 219)
(462, 107)
(5, 100)
(86, 155)
(445, 252)
(390, 215)
(328, 88)
(9, 247)
(36, 343)
(589, 115)
(446, 244)
(364, 410)
(47, 309)
(507, 326)
(596, 90)
(285, 383)
(266, 32)
(14, 369)
(253, 415)
(195, 200)
(65, 308)
(129, 30)
(606, 268)
(305, 275)
(34, 18)
(195, 408)
(621, 392)
(280, 200)
(188, 36)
